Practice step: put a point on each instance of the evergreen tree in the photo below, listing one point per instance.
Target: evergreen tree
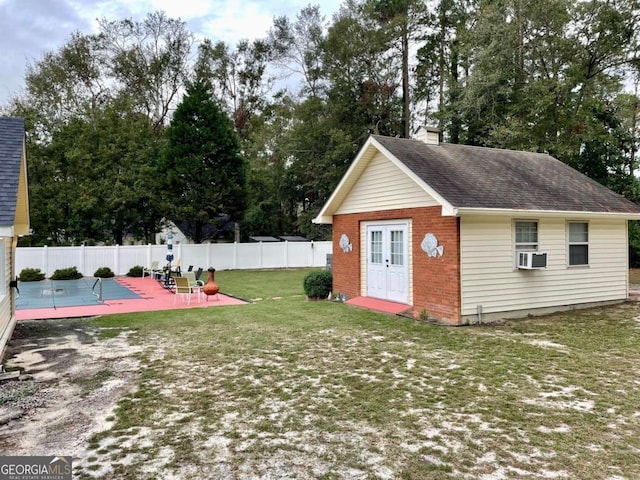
(203, 168)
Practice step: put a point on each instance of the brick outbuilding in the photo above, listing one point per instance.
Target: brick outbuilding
(466, 234)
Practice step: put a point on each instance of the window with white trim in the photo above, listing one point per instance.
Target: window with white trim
(526, 236)
(578, 243)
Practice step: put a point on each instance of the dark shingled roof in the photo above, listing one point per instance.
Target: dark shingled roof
(490, 178)
(11, 144)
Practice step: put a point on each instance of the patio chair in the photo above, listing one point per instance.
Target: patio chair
(152, 270)
(196, 285)
(176, 268)
(183, 288)
(199, 274)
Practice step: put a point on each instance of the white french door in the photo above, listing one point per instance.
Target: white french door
(387, 262)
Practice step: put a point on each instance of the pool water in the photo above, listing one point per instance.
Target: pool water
(69, 293)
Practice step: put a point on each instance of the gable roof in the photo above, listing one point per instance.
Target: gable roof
(13, 183)
(468, 179)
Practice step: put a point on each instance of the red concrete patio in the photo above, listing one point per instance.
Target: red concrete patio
(378, 305)
(153, 298)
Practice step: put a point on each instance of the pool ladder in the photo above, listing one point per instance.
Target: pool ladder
(99, 294)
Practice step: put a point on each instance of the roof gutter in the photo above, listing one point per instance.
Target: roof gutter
(501, 212)
(328, 219)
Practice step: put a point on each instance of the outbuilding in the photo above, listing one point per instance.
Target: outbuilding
(14, 216)
(466, 234)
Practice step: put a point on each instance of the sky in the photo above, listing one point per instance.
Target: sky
(30, 28)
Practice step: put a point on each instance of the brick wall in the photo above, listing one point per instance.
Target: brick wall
(436, 280)
(346, 266)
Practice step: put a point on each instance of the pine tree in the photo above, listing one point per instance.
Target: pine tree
(204, 170)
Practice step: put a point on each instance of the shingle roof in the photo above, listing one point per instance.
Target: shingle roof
(489, 178)
(11, 145)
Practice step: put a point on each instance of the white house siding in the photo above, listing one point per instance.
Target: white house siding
(383, 186)
(7, 320)
(488, 276)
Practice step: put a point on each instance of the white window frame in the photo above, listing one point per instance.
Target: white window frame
(571, 243)
(526, 246)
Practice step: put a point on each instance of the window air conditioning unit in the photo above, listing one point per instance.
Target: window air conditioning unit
(532, 260)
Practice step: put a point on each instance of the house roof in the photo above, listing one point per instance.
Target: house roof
(294, 238)
(466, 178)
(13, 190)
(263, 238)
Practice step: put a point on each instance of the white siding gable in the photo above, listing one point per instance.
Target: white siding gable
(383, 186)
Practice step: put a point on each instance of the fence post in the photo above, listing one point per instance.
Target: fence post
(117, 260)
(149, 255)
(260, 262)
(311, 256)
(45, 260)
(235, 255)
(81, 263)
(286, 254)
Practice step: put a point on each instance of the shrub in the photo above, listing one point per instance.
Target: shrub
(104, 272)
(135, 271)
(31, 275)
(70, 273)
(318, 284)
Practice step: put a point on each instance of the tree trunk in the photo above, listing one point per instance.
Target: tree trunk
(406, 98)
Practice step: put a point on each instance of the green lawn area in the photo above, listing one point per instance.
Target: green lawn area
(288, 388)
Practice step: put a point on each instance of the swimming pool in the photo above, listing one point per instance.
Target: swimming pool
(70, 293)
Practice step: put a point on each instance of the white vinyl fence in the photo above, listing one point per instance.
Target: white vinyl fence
(221, 256)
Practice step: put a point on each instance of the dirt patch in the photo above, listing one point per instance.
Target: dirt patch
(70, 385)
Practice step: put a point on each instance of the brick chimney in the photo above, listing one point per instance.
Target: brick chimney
(429, 135)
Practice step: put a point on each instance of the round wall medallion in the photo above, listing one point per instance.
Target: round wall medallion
(430, 246)
(344, 243)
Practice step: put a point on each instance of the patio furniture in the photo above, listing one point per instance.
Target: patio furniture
(167, 278)
(152, 270)
(183, 288)
(196, 285)
(199, 273)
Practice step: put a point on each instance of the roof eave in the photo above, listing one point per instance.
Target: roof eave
(524, 213)
(7, 231)
(346, 183)
(325, 215)
(320, 219)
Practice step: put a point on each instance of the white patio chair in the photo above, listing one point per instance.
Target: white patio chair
(151, 270)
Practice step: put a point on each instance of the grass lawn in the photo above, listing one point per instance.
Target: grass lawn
(286, 388)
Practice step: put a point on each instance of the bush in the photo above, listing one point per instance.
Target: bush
(318, 284)
(31, 275)
(104, 272)
(70, 273)
(135, 271)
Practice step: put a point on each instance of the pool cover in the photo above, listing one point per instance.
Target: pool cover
(69, 293)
